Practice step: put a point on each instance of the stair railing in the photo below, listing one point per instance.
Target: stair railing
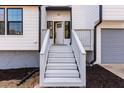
(44, 55)
(80, 55)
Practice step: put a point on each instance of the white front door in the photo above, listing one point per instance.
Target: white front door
(59, 30)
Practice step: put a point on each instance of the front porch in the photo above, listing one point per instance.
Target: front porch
(62, 65)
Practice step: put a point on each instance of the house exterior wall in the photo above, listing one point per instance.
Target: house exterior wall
(29, 39)
(106, 24)
(18, 59)
(58, 15)
(113, 12)
(43, 23)
(84, 18)
(43, 17)
(89, 56)
(86, 38)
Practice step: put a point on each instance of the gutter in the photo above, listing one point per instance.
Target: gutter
(39, 29)
(95, 32)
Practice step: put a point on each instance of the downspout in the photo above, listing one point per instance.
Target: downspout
(70, 25)
(39, 29)
(95, 36)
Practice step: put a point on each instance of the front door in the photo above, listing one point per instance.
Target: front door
(59, 33)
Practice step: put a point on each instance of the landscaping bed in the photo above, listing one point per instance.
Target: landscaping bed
(10, 78)
(97, 77)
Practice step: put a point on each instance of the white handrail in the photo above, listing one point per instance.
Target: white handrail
(80, 55)
(45, 41)
(44, 55)
(82, 50)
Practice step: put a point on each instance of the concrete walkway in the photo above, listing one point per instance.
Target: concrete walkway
(117, 69)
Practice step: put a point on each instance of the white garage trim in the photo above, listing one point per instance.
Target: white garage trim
(107, 25)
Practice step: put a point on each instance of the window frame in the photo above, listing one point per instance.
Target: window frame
(51, 30)
(14, 21)
(3, 21)
(68, 29)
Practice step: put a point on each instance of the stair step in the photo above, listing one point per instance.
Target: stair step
(68, 47)
(62, 74)
(62, 82)
(61, 60)
(60, 51)
(67, 66)
(62, 71)
(61, 48)
(61, 55)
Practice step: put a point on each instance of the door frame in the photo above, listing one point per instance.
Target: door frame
(65, 40)
(54, 32)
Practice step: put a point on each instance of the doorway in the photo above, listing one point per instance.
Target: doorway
(58, 32)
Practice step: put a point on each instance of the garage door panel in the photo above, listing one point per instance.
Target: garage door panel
(112, 46)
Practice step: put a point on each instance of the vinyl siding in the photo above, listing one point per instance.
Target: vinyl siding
(29, 39)
(86, 38)
(113, 12)
(84, 16)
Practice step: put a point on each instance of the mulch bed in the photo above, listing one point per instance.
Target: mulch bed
(98, 77)
(15, 74)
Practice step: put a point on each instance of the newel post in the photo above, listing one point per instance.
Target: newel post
(42, 68)
(83, 68)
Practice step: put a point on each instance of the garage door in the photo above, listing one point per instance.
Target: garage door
(112, 46)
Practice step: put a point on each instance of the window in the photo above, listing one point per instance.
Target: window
(50, 26)
(2, 21)
(14, 21)
(67, 29)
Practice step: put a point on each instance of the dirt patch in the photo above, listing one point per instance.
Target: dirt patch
(10, 78)
(98, 77)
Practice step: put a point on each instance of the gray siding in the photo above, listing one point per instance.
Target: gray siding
(112, 46)
(18, 59)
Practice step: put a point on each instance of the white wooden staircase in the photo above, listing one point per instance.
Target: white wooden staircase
(61, 69)
(62, 65)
